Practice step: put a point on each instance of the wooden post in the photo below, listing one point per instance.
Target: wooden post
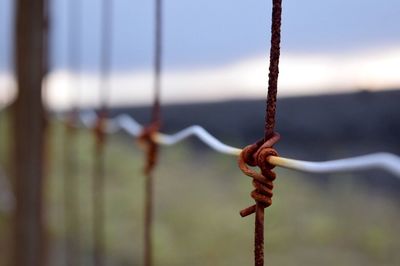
(29, 134)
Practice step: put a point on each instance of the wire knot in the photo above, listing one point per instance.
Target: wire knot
(257, 155)
(146, 139)
(100, 127)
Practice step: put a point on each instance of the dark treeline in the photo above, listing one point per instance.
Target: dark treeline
(312, 127)
(345, 124)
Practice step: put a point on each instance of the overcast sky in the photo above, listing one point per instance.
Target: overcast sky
(216, 32)
(349, 43)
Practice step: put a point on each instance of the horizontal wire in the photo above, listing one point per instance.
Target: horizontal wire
(385, 161)
(202, 134)
(382, 160)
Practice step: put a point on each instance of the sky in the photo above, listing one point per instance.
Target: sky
(216, 50)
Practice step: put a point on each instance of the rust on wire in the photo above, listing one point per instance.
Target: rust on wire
(71, 178)
(99, 188)
(147, 140)
(151, 151)
(99, 131)
(257, 154)
(71, 182)
(157, 62)
(151, 148)
(273, 68)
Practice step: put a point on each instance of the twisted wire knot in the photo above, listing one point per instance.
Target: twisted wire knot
(100, 126)
(256, 155)
(147, 143)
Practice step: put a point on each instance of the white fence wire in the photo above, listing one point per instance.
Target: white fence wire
(384, 161)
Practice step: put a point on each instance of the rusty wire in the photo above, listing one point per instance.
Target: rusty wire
(71, 182)
(258, 153)
(70, 185)
(273, 69)
(99, 175)
(157, 62)
(151, 152)
(261, 154)
(147, 138)
(98, 190)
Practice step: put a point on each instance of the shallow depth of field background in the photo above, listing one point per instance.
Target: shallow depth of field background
(342, 220)
(340, 98)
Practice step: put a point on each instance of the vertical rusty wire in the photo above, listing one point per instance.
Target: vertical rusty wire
(106, 49)
(70, 188)
(257, 153)
(273, 69)
(269, 119)
(98, 192)
(100, 137)
(150, 145)
(71, 179)
(157, 61)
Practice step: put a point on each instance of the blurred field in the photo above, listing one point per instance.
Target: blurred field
(198, 198)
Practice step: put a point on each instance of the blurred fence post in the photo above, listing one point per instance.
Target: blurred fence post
(29, 133)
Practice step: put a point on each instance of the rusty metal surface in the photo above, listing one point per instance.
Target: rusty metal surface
(99, 129)
(98, 189)
(273, 68)
(72, 217)
(158, 34)
(257, 154)
(151, 150)
(146, 137)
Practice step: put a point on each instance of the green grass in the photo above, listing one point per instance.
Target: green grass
(198, 197)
